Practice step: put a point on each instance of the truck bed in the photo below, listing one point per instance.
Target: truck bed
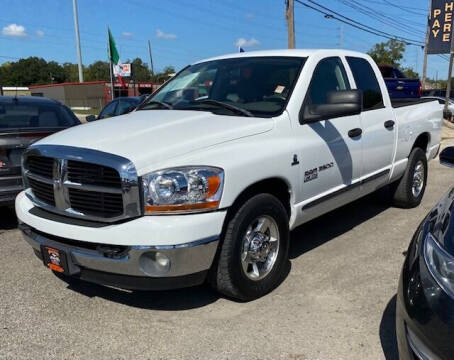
(397, 103)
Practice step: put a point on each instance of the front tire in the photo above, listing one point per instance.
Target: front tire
(411, 187)
(254, 253)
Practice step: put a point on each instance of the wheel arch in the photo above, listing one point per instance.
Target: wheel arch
(276, 186)
(422, 142)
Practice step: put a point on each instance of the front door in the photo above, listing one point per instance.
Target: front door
(330, 157)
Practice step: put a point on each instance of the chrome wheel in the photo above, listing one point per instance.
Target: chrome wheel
(260, 248)
(418, 179)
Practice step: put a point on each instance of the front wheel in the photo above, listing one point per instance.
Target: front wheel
(254, 253)
(411, 187)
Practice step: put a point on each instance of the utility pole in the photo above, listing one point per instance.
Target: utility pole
(448, 86)
(79, 53)
(426, 44)
(341, 36)
(151, 58)
(289, 15)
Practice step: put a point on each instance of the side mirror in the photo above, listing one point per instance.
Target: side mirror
(447, 157)
(90, 118)
(339, 103)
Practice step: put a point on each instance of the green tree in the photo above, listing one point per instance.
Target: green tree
(140, 70)
(56, 73)
(99, 70)
(163, 76)
(410, 73)
(388, 53)
(71, 72)
(30, 71)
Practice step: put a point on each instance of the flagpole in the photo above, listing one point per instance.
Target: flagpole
(112, 89)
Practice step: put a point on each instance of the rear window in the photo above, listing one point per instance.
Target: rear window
(367, 82)
(19, 115)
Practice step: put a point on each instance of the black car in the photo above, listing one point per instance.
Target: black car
(425, 299)
(118, 106)
(24, 120)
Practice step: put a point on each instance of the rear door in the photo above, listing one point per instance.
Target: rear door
(378, 124)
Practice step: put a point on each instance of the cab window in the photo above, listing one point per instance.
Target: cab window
(366, 81)
(329, 75)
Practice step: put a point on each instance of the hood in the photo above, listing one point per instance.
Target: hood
(150, 136)
(440, 221)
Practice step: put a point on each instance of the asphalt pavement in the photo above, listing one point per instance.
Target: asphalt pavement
(337, 302)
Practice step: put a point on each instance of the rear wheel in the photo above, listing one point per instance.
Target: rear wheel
(254, 252)
(410, 189)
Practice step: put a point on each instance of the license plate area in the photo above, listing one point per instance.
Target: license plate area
(55, 259)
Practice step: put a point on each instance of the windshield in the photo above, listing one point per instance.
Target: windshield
(259, 86)
(20, 115)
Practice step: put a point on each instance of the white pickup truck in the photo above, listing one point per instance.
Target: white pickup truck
(207, 177)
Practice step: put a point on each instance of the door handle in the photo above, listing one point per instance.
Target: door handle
(355, 132)
(389, 124)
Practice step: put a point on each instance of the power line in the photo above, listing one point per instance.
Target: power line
(405, 8)
(402, 7)
(360, 24)
(383, 17)
(353, 23)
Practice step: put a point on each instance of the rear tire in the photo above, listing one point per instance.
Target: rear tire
(258, 232)
(410, 189)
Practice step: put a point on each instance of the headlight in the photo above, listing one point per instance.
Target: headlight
(184, 189)
(440, 264)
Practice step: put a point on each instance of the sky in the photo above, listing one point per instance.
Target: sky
(183, 31)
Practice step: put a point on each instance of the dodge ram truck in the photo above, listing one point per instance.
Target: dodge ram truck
(205, 179)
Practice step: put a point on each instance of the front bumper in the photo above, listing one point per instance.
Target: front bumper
(125, 254)
(130, 267)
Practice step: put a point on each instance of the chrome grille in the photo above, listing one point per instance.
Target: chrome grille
(96, 203)
(81, 183)
(43, 191)
(92, 174)
(40, 165)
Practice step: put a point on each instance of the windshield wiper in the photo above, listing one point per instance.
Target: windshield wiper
(162, 104)
(230, 107)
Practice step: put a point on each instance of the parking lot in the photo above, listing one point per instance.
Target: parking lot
(336, 303)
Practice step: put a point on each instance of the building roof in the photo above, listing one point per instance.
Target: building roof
(67, 84)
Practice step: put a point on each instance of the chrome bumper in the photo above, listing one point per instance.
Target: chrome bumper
(139, 261)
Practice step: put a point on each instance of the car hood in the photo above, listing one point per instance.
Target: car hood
(147, 137)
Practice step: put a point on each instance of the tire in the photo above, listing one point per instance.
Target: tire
(229, 275)
(404, 194)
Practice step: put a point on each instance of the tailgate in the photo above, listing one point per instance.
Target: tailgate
(12, 145)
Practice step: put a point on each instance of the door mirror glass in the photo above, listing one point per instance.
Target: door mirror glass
(447, 156)
(339, 103)
(90, 118)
